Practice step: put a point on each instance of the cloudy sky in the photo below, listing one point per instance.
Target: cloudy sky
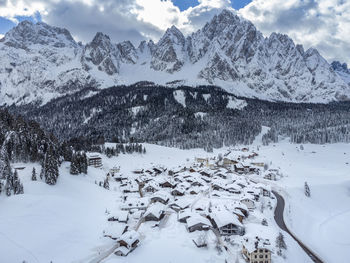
(324, 24)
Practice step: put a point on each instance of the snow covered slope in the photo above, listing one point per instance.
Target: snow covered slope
(40, 62)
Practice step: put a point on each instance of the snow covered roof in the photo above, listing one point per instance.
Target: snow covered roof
(162, 195)
(123, 215)
(252, 244)
(197, 219)
(155, 209)
(129, 237)
(224, 217)
(93, 155)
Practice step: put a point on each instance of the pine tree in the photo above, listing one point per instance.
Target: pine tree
(8, 188)
(34, 174)
(51, 167)
(106, 183)
(74, 167)
(84, 163)
(280, 244)
(307, 190)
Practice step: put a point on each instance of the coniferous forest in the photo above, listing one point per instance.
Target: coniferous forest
(145, 112)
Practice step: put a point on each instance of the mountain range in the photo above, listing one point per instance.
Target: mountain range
(40, 62)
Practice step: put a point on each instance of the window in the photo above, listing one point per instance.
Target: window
(266, 256)
(261, 256)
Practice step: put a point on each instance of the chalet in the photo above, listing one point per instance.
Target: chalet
(123, 216)
(114, 170)
(20, 167)
(94, 159)
(128, 242)
(157, 170)
(229, 162)
(135, 204)
(205, 174)
(201, 160)
(166, 183)
(194, 192)
(248, 202)
(259, 164)
(270, 176)
(197, 222)
(138, 171)
(256, 250)
(233, 188)
(182, 216)
(242, 208)
(226, 223)
(196, 183)
(254, 192)
(178, 192)
(160, 196)
(238, 213)
(120, 178)
(239, 168)
(180, 204)
(154, 212)
(218, 186)
(265, 190)
(151, 187)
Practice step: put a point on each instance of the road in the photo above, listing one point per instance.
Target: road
(280, 222)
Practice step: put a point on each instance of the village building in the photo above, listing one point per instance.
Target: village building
(160, 196)
(226, 223)
(197, 223)
(249, 203)
(114, 170)
(94, 159)
(128, 242)
(123, 216)
(270, 176)
(228, 162)
(155, 212)
(183, 215)
(135, 204)
(256, 250)
(151, 187)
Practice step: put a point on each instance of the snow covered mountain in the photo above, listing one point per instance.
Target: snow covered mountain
(342, 70)
(40, 62)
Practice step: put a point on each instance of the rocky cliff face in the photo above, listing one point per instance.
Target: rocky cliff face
(40, 62)
(342, 70)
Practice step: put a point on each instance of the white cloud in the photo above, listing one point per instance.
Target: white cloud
(122, 19)
(323, 24)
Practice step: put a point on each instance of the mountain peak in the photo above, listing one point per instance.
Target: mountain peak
(173, 34)
(27, 33)
(340, 67)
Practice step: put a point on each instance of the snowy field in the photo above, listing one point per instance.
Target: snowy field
(66, 222)
(320, 221)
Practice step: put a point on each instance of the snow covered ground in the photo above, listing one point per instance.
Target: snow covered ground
(65, 223)
(320, 221)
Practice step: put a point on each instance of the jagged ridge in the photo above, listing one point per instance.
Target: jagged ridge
(41, 62)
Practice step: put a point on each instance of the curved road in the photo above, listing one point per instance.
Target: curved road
(280, 222)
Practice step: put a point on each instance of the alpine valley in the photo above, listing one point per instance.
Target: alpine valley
(220, 146)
